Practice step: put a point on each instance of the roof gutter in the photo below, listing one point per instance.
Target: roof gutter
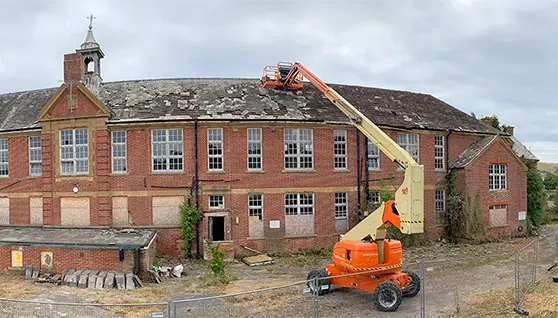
(69, 245)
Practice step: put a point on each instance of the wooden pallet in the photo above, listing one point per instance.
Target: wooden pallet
(257, 260)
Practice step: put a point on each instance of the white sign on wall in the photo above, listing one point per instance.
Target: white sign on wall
(274, 224)
(521, 215)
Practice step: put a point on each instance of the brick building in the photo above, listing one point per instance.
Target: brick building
(272, 170)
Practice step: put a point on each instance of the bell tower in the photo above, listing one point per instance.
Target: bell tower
(92, 55)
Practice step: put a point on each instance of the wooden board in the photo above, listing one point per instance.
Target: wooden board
(261, 259)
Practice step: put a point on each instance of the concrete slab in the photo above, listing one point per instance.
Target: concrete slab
(109, 281)
(120, 280)
(102, 274)
(99, 282)
(82, 281)
(91, 281)
(130, 281)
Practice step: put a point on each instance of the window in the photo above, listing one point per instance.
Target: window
(340, 149)
(74, 151)
(255, 205)
(439, 152)
(254, 149)
(35, 156)
(3, 157)
(215, 148)
(440, 205)
(118, 151)
(375, 197)
(299, 204)
(298, 149)
(373, 156)
(167, 150)
(341, 205)
(497, 177)
(498, 214)
(216, 202)
(409, 142)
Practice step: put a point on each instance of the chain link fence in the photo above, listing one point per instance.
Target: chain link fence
(480, 285)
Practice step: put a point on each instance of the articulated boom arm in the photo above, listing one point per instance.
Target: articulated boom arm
(407, 210)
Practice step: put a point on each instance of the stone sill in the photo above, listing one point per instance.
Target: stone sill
(341, 170)
(298, 170)
(255, 171)
(301, 236)
(498, 226)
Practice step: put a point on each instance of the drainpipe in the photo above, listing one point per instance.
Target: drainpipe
(366, 173)
(447, 150)
(358, 167)
(196, 183)
(137, 262)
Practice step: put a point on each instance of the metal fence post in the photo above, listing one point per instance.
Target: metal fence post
(169, 311)
(423, 292)
(517, 280)
(316, 290)
(535, 256)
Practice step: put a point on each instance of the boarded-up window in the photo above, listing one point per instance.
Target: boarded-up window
(4, 211)
(75, 211)
(120, 211)
(166, 210)
(36, 210)
(498, 215)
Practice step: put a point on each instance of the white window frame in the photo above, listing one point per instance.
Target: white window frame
(74, 160)
(439, 153)
(254, 144)
(403, 140)
(340, 149)
(341, 205)
(439, 204)
(115, 144)
(373, 155)
(375, 197)
(35, 162)
(4, 158)
(219, 199)
(167, 157)
(256, 205)
(215, 142)
(298, 143)
(297, 204)
(497, 176)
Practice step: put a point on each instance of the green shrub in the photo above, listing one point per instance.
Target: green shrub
(189, 215)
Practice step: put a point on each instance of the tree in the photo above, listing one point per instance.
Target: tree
(550, 181)
(535, 200)
(492, 121)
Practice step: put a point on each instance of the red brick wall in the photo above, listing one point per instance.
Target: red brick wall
(74, 68)
(476, 179)
(66, 258)
(139, 183)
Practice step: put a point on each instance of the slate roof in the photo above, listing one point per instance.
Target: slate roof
(472, 152)
(521, 150)
(246, 99)
(91, 238)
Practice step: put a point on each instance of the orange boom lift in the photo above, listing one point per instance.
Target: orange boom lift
(376, 263)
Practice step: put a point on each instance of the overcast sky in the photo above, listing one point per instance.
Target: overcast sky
(482, 56)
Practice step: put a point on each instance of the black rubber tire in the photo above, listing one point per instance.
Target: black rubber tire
(414, 288)
(323, 281)
(391, 289)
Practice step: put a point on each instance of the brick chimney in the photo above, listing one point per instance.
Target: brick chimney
(509, 130)
(74, 69)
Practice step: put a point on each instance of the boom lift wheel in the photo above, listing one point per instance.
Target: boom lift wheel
(413, 288)
(323, 284)
(387, 296)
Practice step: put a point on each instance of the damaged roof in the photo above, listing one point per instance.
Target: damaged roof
(89, 238)
(246, 99)
(472, 152)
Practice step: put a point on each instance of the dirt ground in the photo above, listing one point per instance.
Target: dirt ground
(480, 282)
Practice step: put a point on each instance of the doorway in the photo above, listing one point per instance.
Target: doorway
(217, 228)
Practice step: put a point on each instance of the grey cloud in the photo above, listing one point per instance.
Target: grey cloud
(486, 56)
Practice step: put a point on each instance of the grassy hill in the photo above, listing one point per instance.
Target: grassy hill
(548, 167)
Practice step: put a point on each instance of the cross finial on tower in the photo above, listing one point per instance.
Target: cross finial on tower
(91, 17)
